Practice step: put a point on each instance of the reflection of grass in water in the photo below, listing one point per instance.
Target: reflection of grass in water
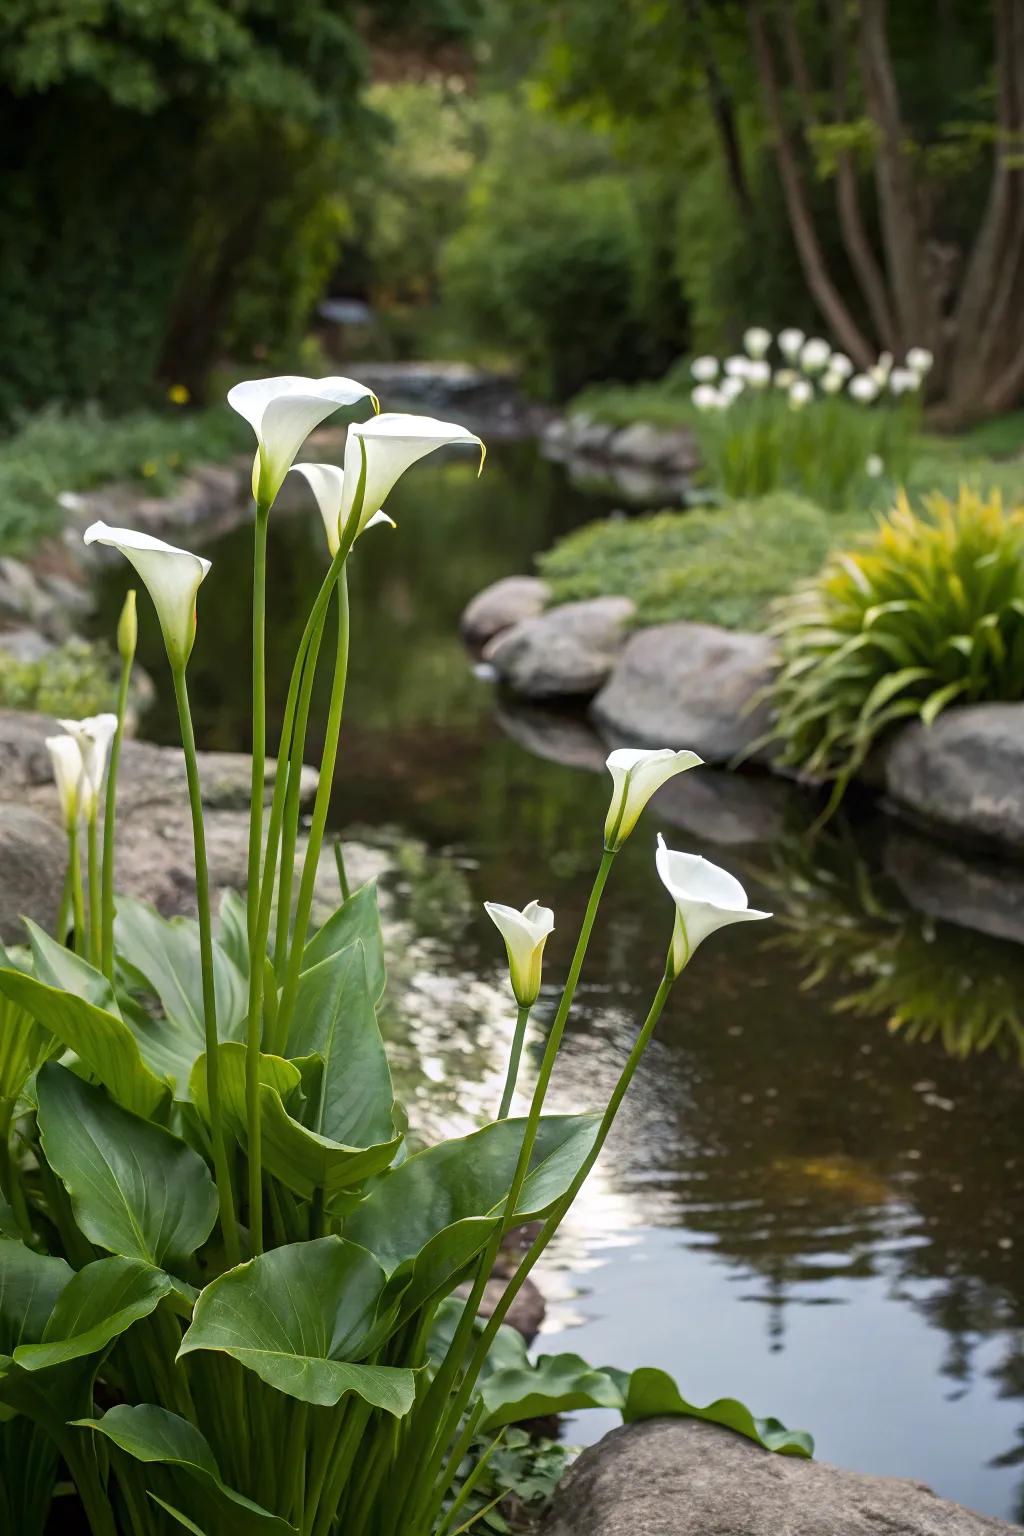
(929, 981)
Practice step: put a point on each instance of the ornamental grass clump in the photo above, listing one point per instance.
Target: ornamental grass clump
(228, 1288)
(926, 613)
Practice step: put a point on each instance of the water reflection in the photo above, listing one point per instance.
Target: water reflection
(814, 1195)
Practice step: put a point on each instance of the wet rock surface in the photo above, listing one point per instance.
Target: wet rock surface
(964, 774)
(501, 605)
(680, 1477)
(567, 652)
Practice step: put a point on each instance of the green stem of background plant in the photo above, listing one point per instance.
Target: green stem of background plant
(515, 1055)
(221, 1169)
(292, 810)
(321, 806)
(77, 893)
(110, 826)
(95, 918)
(259, 709)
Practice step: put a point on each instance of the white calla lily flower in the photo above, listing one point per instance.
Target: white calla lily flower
(737, 367)
(172, 577)
(863, 388)
(327, 481)
(392, 442)
(757, 340)
(801, 393)
(903, 381)
(283, 412)
(69, 774)
(707, 398)
(874, 466)
(815, 354)
(790, 342)
(731, 389)
(707, 898)
(704, 369)
(920, 360)
(636, 773)
(841, 364)
(759, 374)
(832, 383)
(525, 934)
(93, 737)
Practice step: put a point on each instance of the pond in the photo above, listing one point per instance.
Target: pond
(802, 1205)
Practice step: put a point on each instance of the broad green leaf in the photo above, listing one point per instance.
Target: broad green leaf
(104, 1043)
(299, 1317)
(653, 1393)
(30, 1284)
(438, 1265)
(554, 1384)
(152, 1435)
(335, 1019)
(97, 1305)
(466, 1178)
(302, 1159)
(136, 1189)
(28, 1474)
(234, 932)
(164, 954)
(59, 966)
(176, 1514)
(356, 920)
(24, 1044)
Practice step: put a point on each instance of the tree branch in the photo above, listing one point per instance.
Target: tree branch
(723, 115)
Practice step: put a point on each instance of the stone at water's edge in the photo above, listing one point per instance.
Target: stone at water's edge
(681, 1477)
(501, 605)
(32, 863)
(965, 773)
(565, 653)
(688, 685)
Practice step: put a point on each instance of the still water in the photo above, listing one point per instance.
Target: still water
(802, 1204)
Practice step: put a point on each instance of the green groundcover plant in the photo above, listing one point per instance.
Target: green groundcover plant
(226, 1282)
(927, 612)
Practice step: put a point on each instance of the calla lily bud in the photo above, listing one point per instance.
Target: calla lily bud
(326, 481)
(69, 775)
(283, 412)
(172, 577)
(525, 934)
(128, 628)
(636, 773)
(92, 737)
(392, 443)
(707, 898)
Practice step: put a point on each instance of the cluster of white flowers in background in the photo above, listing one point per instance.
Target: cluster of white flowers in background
(808, 369)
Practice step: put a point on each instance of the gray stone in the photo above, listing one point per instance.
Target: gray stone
(688, 685)
(652, 447)
(567, 652)
(25, 645)
(22, 599)
(501, 605)
(561, 736)
(680, 1477)
(585, 435)
(964, 774)
(957, 885)
(734, 809)
(33, 859)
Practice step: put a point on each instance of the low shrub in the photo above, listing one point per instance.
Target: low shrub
(76, 678)
(928, 612)
(716, 565)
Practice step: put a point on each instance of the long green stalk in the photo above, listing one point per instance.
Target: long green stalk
(110, 826)
(515, 1055)
(321, 806)
(77, 893)
(95, 917)
(221, 1169)
(292, 810)
(259, 709)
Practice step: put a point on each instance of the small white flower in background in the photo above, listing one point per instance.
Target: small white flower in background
(737, 367)
(882, 369)
(903, 380)
(785, 378)
(757, 341)
(790, 342)
(636, 773)
(704, 369)
(172, 577)
(831, 382)
(759, 374)
(327, 481)
(920, 360)
(731, 390)
(814, 354)
(69, 775)
(707, 898)
(283, 412)
(92, 737)
(840, 363)
(800, 394)
(393, 443)
(863, 388)
(525, 934)
(874, 465)
(706, 398)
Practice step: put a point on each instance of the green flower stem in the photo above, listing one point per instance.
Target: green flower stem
(77, 893)
(110, 827)
(292, 808)
(259, 708)
(515, 1055)
(79, 1452)
(437, 1396)
(321, 806)
(64, 910)
(221, 1169)
(345, 1453)
(95, 918)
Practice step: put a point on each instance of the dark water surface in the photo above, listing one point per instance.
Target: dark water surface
(801, 1205)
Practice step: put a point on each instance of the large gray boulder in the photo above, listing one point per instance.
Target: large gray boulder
(964, 774)
(688, 685)
(679, 1477)
(567, 652)
(957, 885)
(501, 605)
(33, 858)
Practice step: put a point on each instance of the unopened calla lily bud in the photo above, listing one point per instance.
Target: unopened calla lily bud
(69, 776)
(707, 898)
(172, 577)
(525, 934)
(128, 628)
(92, 737)
(636, 773)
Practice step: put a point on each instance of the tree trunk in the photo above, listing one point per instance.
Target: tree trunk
(724, 117)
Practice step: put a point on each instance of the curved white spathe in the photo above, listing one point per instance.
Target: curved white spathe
(392, 442)
(93, 737)
(69, 776)
(636, 773)
(326, 481)
(172, 577)
(706, 897)
(525, 934)
(282, 412)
